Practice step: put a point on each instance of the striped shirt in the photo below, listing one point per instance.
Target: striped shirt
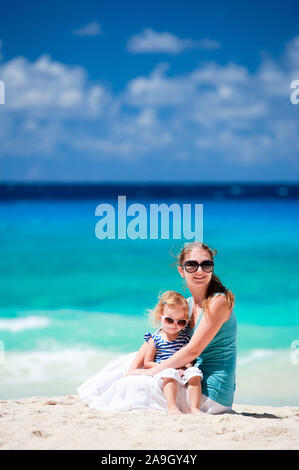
(165, 349)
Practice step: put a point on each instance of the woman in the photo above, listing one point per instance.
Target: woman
(213, 345)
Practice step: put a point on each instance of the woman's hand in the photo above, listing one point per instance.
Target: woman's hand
(181, 371)
(190, 364)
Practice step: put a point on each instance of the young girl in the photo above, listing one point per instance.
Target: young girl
(111, 390)
(172, 312)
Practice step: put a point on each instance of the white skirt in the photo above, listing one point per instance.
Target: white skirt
(109, 390)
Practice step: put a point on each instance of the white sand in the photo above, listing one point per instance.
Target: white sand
(35, 423)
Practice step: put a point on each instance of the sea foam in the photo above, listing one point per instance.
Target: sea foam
(14, 325)
(263, 376)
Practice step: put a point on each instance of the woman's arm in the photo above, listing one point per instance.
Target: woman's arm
(208, 327)
(150, 355)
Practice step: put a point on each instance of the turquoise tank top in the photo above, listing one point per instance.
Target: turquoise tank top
(218, 360)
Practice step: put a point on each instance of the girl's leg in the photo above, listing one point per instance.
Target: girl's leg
(194, 392)
(170, 389)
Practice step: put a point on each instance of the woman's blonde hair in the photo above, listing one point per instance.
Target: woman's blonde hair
(171, 299)
(215, 284)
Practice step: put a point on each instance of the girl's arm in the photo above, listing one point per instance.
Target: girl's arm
(208, 327)
(139, 358)
(150, 355)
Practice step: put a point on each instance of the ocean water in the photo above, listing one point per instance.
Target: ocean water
(70, 303)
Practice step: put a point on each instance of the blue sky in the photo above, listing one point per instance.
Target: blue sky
(149, 91)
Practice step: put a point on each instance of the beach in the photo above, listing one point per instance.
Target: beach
(66, 297)
(70, 304)
(65, 423)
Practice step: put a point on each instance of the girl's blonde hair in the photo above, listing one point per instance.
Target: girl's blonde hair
(171, 299)
(215, 284)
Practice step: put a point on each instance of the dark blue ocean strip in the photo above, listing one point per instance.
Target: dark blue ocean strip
(43, 191)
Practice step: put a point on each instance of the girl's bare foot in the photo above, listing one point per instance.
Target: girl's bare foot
(195, 411)
(174, 411)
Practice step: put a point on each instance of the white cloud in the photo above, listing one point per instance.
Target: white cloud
(158, 90)
(213, 73)
(45, 88)
(45, 100)
(150, 41)
(91, 29)
(127, 137)
(215, 110)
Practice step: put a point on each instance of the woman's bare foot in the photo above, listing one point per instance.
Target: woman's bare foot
(174, 411)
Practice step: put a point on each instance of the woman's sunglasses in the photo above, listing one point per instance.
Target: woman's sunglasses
(192, 266)
(171, 321)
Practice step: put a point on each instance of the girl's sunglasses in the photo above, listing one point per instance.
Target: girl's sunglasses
(192, 266)
(171, 321)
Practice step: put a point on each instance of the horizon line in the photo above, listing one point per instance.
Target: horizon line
(187, 183)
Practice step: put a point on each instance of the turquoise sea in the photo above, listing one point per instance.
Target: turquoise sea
(69, 302)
